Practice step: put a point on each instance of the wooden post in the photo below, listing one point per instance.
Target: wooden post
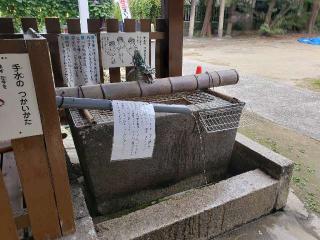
(43, 81)
(8, 228)
(162, 50)
(53, 29)
(6, 25)
(27, 23)
(175, 17)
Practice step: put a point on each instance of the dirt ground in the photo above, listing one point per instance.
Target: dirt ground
(279, 58)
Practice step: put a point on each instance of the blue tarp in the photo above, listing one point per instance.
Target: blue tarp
(313, 41)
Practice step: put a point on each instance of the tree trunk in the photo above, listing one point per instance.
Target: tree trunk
(314, 15)
(192, 18)
(251, 11)
(221, 18)
(280, 15)
(206, 27)
(269, 13)
(232, 9)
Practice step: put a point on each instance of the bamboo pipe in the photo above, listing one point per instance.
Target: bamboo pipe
(159, 87)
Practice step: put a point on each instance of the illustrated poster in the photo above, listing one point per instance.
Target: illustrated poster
(117, 49)
(134, 130)
(79, 59)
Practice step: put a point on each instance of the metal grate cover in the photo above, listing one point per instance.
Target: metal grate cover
(214, 113)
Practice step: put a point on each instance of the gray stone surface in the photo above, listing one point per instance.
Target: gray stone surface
(84, 225)
(294, 223)
(248, 155)
(84, 230)
(284, 104)
(178, 155)
(198, 213)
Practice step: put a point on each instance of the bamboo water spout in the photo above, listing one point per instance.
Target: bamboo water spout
(158, 87)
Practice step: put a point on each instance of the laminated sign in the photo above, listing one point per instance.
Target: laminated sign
(79, 59)
(19, 113)
(134, 130)
(117, 49)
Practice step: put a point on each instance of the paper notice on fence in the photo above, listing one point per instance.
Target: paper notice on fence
(117, 49)
(19, 112)
(134, 130)
(79, 59)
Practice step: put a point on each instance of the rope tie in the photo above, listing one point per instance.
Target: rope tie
(103, 94)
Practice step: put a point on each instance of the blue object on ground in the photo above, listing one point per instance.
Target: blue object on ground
(313, 41)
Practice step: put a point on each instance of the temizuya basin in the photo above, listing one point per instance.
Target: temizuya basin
(183, 156)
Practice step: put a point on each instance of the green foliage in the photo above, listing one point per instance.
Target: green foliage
(145, 9)
(40, 9)
(265, 30)
(117, 12)
(104, 9)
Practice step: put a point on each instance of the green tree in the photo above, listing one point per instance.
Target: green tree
(62, 9)
(145, 9)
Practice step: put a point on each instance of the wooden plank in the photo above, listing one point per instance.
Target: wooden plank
(162, 51)
(29, 22)
(175, 16)
(146, 27)
(8, 228)
(12, 46)
(157, 35)
(43, 81)
(113, 26)
(94, 26)
(129, 26)
(53, 29)
(52, 25)
(31, 157)
(6, 25)
(73, 25)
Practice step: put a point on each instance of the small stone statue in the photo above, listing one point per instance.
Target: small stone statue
(141, 71)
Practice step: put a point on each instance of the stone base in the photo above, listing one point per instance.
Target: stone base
(259, 186)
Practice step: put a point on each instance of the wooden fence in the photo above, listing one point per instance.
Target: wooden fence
(53, 29)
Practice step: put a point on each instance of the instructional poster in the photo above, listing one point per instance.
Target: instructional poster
(134, 130)
(79, 59)
(117, 49)
(19, 113)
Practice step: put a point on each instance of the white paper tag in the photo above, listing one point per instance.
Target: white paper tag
(134, 130)
(19, 113)
(117, 49)
(79, 59)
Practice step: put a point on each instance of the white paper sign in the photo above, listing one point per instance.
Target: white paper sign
(117, 49)
(19, 113)
(134, 130)
(79, 59)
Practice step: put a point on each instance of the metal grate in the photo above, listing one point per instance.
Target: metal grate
(214, 113)
(222, 118)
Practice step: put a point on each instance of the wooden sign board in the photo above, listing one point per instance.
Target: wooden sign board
(19, 113)
(117, 49)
